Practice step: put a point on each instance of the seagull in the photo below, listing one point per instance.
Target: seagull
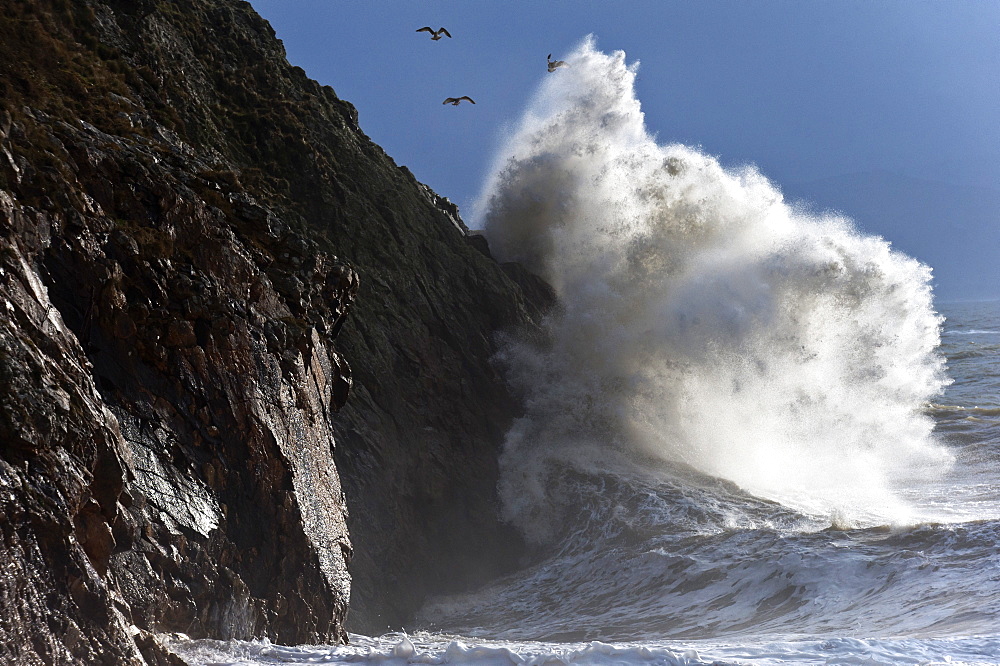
(435, 34)
(555, 63)
(454, 101)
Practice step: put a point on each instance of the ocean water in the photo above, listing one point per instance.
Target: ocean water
(751, 436)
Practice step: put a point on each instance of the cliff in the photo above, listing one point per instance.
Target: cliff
(244, 357)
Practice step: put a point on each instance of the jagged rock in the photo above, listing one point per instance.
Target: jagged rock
(187, 223)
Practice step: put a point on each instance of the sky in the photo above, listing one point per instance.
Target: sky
(806, 90)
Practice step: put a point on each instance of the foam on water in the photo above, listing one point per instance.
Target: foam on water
(704, 321)
(399, 650)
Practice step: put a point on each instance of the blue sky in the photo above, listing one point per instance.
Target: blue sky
(807, 90)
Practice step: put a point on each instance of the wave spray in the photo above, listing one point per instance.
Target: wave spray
(704, 322)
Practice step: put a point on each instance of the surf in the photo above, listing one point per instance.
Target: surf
(704, 321)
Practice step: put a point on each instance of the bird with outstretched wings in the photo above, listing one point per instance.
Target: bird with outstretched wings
(435, 34)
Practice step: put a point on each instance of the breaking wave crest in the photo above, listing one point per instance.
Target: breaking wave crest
(704, 322)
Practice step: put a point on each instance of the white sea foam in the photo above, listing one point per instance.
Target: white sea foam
(399, 650)
(704, 320)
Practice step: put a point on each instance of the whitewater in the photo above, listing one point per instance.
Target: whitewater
(750, 434)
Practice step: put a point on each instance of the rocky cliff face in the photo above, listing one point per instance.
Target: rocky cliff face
(201, 256)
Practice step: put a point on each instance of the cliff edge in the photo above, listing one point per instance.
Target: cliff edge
(244, 356)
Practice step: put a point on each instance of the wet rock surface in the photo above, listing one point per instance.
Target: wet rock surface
(231, 330)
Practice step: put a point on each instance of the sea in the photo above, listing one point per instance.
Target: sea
(752, 435)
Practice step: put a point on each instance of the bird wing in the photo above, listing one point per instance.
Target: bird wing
(468, 98)
(450, 100)
(426, 28)
(448, 34)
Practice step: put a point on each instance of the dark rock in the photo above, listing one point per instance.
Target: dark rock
(187, 225)
(180, 333)
(479, 242)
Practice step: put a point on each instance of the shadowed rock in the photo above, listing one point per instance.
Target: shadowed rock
(187, 224)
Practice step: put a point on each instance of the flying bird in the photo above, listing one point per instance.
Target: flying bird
(435, 34)
(454, 101)
(555, 63)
